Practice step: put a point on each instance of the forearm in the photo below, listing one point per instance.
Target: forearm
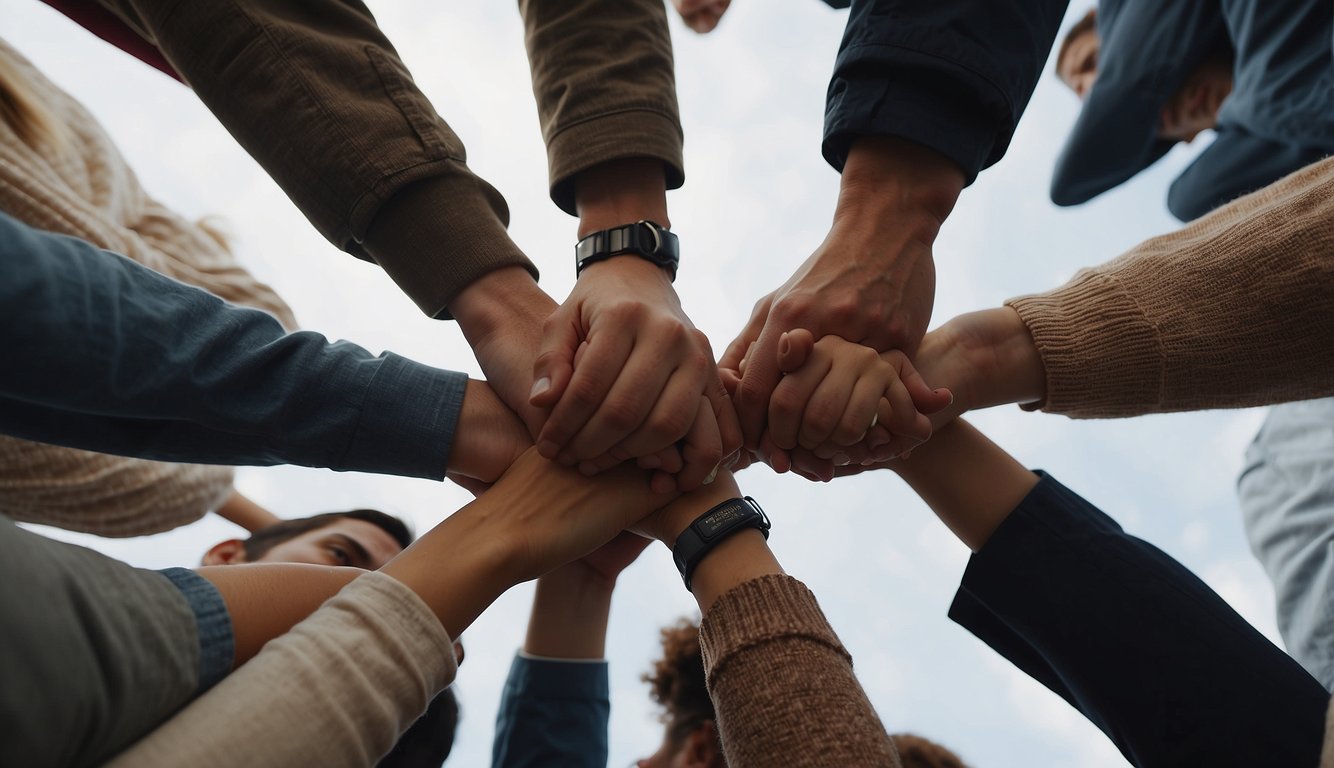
(955, 77)
(1230, 311)
(242, 511)
(968, 481)
(900, 184)
(124, 360)
(569, 618)
(597, 101)
(320, 98)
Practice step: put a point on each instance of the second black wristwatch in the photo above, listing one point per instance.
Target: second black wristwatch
(643, 238)
(712, 527)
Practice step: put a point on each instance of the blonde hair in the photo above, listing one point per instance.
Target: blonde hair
(21, 109)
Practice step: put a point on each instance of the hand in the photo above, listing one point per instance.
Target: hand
(701, 15)
(644, 379)
(986, 358)
(242, 511)
(872, 280)
(836, 395)
(501, 316)
(667, 523)
(543, 515)
(487, 439)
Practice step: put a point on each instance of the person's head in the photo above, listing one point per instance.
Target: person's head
(1077, 59)
(363, 538)
(917, 752)
(677, 685)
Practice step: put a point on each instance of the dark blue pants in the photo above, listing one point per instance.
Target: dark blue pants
(1136, 642)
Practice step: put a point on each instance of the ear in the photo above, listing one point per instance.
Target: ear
(702, 747)
(229, 552)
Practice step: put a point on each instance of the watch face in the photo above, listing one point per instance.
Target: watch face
(722, 518)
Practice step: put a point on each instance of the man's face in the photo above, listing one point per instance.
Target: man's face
(1078, 68)
(345, 541)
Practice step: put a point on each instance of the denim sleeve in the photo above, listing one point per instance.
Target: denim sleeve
(1148, 49)
(553, 712)
(1135, 641)
(1237, 163)
(120, 359)
(953, 76)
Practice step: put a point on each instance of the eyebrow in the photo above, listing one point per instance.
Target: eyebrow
(359, 552)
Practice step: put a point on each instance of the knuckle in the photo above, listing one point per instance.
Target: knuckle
(621, 415)
(670, 426)
(585, 393)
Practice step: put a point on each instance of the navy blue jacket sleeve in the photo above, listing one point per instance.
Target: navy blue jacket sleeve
(1135, 641)
(953, 76)
(1148, 50)
(553, 712)
(107, 355)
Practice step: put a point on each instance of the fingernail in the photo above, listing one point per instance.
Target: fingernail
(783, 344)
(540, 386)
(711, 476)
(948, 392)
(548, 449)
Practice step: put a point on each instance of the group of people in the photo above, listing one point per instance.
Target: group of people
(148, 362)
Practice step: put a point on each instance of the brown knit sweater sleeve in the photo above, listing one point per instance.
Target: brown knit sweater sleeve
(1234, 310)
(782, 683)
(605, 88)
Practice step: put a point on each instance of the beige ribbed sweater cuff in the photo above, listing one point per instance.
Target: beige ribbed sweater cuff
(337, 690)
(1231, 311)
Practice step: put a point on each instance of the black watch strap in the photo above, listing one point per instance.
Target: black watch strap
(713, 527)
(643, 238)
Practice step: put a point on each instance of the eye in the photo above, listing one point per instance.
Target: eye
(340, 555)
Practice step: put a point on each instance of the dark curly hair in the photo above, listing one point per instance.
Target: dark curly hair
(676, 681)
(917, 752)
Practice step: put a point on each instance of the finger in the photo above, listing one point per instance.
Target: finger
(812, 467)
(830, 401)
(769, 453)
(647, 409)
(904, 420)
(794, 349)
(554, 364)
(740, 346)
(599, 367)
(861, 413)
(702, 450)
(729, 426)
(757, 385)
(924, 398)
(792, 400)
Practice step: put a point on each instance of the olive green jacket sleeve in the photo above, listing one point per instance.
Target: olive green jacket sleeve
(319, 97)
(605, 87)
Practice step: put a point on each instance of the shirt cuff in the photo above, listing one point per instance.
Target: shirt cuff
(559, 678)
(407, 421)
(213, 625)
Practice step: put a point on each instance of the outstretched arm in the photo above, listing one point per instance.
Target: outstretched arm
(781, 682)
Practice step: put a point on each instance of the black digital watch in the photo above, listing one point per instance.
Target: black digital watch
(712, 527)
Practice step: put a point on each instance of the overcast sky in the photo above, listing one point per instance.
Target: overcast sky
(757, 200)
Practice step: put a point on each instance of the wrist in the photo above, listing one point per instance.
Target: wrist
(621, 192)
(488, 437)
(888, 181)
(736, 560)
(497, 300)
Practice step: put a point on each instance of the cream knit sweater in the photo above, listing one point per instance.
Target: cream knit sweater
(81, 186)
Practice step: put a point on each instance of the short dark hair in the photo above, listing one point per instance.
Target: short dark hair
(1087, 24)
(264, 539)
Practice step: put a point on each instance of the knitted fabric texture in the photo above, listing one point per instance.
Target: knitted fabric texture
(1231, 311)
(782, 683)
(82, 186)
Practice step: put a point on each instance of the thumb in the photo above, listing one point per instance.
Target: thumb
(555, 359)
(794, 347)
